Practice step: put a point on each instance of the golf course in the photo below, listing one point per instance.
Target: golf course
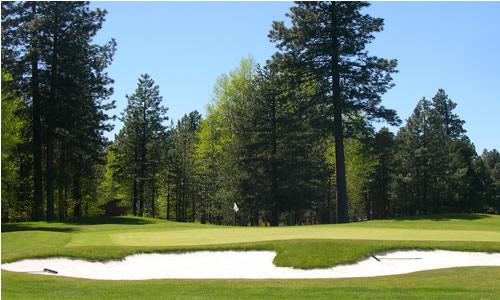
(314, 246)
(249, 150)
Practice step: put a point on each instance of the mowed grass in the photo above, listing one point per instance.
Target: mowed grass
(113, 238)
(297, 246)
(460, 283)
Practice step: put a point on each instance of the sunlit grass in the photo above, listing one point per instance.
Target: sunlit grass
(296, 246)
(460, 283)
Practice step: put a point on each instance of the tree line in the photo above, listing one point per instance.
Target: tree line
(292, 141)
(54, 76)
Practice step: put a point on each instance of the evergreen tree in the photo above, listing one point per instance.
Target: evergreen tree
(143, 126)
(327, 42)
(445, 107)
(20, 57)
(422, 159)
(61, 75)
(13, 126)
(487, 180)
(280, 165)
(179, 167)
(435, 159)
(380, 188)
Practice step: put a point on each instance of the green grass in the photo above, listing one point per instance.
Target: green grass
(463, 283)
(297, 246)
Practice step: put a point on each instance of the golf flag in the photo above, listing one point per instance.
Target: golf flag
(235, 207)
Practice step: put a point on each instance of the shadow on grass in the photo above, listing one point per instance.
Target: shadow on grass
(24, 227)
(445, 217)
(59, 225)
(111, 220)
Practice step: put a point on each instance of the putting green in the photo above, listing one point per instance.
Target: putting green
(151, 232)
(245, 235)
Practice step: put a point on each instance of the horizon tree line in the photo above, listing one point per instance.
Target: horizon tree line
(291, 141)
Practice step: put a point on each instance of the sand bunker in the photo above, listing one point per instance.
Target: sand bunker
(247, 264)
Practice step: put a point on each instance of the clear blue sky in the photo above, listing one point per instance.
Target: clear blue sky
(185, 46)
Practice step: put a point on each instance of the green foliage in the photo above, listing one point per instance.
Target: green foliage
(435, 162)
(486, 180)
(360, 167)
(136, 146)
(216, 152)
(13, 126)
(287, 141)
(379, 203)
(181, 179)
(59, 73)
(326, 43)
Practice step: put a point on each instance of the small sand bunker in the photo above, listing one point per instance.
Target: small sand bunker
(247, 264)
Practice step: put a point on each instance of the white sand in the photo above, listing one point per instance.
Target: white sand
(247, 264)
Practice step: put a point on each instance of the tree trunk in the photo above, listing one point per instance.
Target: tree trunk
(60, 193)
(167, 213)
(134, 182)
(329, 201)
(62, 183)
(385, 201)
(134, 196)
(193, 207)
(177, 199)
(153, 197)
(142, 170)
(77, 196)
(37, 140)
(60, 204)
(338, 130)
(49, 178)
(141, 198)
(274, 175)
(274, 217)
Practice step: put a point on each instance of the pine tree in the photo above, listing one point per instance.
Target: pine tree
(422, 160)
(379, 192)
(20, 57)
(48, 48)
(445, 106)
(327, 42)
(182, 165)
(143, 126)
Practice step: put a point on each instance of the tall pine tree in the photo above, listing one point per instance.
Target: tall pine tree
(143, 125)
(327, 41)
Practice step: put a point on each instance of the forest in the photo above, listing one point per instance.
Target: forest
(296, 140)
